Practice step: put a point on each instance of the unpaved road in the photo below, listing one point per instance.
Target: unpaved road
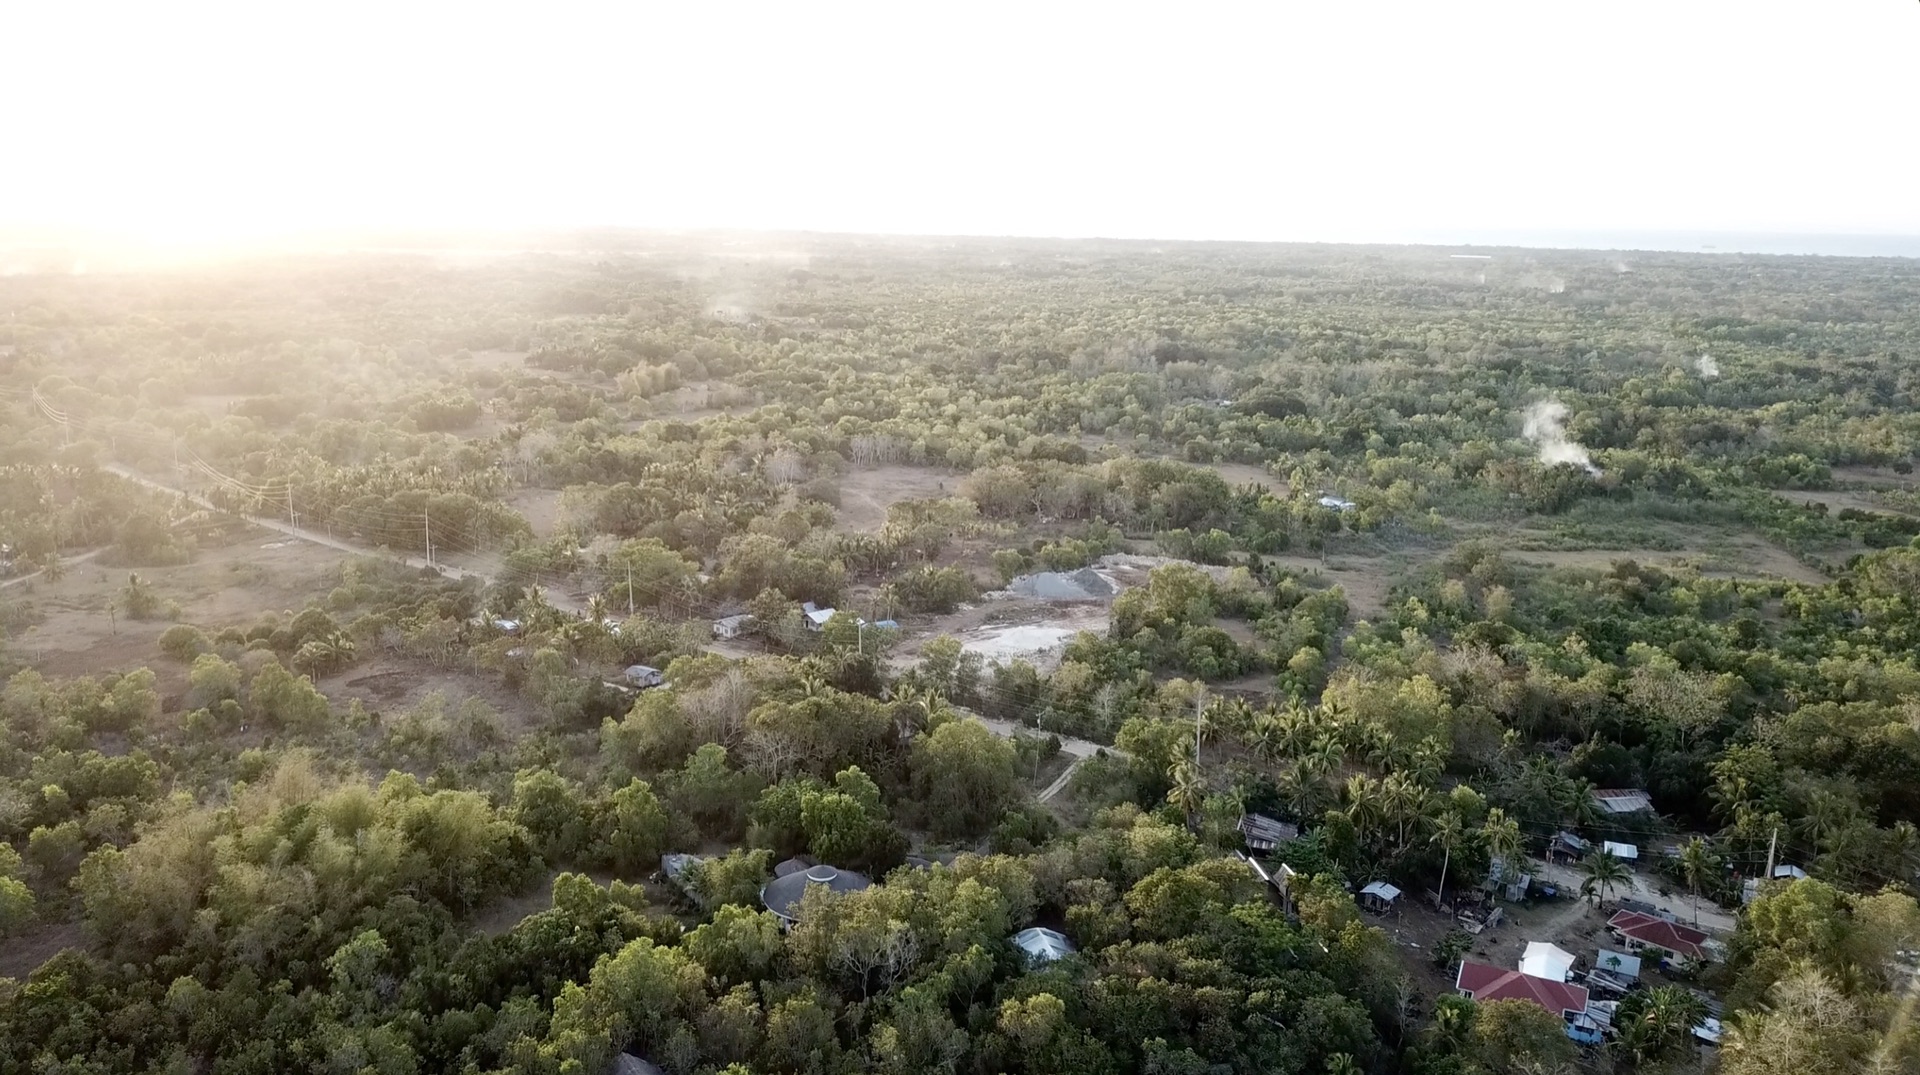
(64, 564)
(558, 598)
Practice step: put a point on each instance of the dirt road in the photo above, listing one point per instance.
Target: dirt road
(64, 564)
(558, 598)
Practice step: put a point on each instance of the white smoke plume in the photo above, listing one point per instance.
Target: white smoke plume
(1707, 366)
(1546, 427)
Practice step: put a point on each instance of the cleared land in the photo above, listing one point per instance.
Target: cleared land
(865, 495)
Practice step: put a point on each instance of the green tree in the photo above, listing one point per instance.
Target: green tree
(1521, 1038)
(632, 828)
(1602, 873)
(1696, 865)
(739, 946)
(964, 778)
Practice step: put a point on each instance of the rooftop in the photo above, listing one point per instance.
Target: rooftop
(1043, 945)
(1485, 982)
(1659, 933)
(782, 894)
(1622, 800)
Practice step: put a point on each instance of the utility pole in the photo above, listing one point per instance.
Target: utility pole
(291, 518)
(427, 520)
(1199, 707)
(1772, 843)
(629, 591)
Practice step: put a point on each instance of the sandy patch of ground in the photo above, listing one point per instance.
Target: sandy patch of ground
(1882, 476)
(865, 495)
(1366, 580)
(390, 687)
(497, 360)
(691, 403)
(1239, 474)
(1007, 629)
(540, 507)
(1746, 558)
(1840, 500)
(27, 950)
(229, 585)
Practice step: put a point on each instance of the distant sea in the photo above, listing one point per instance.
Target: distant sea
(1709, 242)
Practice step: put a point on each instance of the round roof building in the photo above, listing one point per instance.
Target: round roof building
(782, 894)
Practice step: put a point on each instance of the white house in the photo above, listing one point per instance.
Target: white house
(1543, 960)
(1623, 852)
(731, 626)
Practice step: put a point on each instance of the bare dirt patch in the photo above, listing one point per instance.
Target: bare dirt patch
(27, 950)
(229, 585)
(390, 686)
(1239, 474)
(1366, 580)
(1009, 628)
(1841, 500)
(497, 360)
(1881, 476)
(1745, 557)
(540, 507)
(865, 495)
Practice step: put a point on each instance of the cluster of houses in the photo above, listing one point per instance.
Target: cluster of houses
(1586, 993)
(1584, 990)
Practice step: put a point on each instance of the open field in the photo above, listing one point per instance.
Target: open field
(255, 574)
(866, 494)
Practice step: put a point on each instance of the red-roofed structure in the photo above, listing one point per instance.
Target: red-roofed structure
(1485, 982)
(1642, 931)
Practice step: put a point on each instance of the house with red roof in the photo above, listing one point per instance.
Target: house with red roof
(1484, 982)
(1643, 931)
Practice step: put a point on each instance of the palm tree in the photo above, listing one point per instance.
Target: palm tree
(1264, 736)
(1326, 755)
(1502, 835)
(1696, 862)
(1189, 791)
(1656, 1022)
(1449, 832)
(1603, 874)
(1407, 804)
(1342, 1064)
(1366, 808)
(597, 609)
(1305, 792)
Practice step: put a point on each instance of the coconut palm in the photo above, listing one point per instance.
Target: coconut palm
(1366, 807)
(1449, 834)
(597, 609)
(1603, 874)
(1502, 836)
(1656, 1022)
(1326, 755)
(1342, 1064)
(1189, 791)
(1264, 736)
(1303, 789)
(1696, 864)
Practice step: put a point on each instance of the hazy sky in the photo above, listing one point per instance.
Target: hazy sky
(1288, 119)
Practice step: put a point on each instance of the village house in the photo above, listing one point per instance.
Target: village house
(1639, 932)
(1484, 982)
(782, 894)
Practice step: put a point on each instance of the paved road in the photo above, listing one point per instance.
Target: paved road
(1680, 904)
(1081, 749)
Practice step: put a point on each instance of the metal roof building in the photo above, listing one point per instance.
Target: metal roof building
(782, 894)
